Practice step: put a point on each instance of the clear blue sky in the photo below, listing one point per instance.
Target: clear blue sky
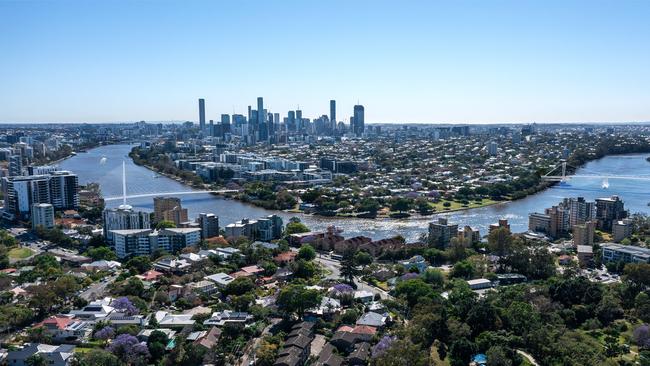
(406, 61)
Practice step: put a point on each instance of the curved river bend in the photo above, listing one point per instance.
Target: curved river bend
(140, 180)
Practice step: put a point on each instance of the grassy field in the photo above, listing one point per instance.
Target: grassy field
(454, 205)
(20, 253)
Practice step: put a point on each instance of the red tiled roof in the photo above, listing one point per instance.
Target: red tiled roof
(151, 275)
(59, 322)
(364, 329)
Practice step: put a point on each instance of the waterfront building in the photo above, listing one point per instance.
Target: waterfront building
(539, 222)
(244, 227)
(559, 221)
(609, 210)
(269, 228)
(503, 223)
(469, 235)
(209, 224)
(42, 215)
(441, 232)
(146, 241)
(169, 209)
(612, 252)
(580, 210)
(124, 218)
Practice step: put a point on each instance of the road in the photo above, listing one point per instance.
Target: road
(334, 267)
(97, 289)
(528, 356)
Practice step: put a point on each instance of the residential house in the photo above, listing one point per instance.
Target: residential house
(53, 355)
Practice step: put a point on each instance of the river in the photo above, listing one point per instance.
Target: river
(635, 193)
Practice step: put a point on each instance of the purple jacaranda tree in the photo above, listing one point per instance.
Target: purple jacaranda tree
(341, 288)
(384, 344)
(409, 276)
(642, 336)
(125, 305)
(105, 333)
(128, 349)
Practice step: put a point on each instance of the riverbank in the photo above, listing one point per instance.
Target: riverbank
(140, 181)
(439, 207)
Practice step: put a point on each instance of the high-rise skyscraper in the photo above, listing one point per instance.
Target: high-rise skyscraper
(299, 126)
(359, 122)
(201, 114)
(333, 115)
(291, 121)
(260, 111)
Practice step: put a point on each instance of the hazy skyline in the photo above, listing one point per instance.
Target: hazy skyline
(416, 61)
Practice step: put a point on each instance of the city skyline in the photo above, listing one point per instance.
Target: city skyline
(422, 62)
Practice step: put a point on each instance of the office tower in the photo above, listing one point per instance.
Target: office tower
(299, 126)
(260, 111)
(359, 122)
(209, 224)
(250, 114)
(169, 209)
(225, 119)
(583, 234)
(441, 232)
(492, 148)
(291, 121)
(333, 115)
(201, 114)
(15, 165)
(42, 215)
(64, 189)
(609, 210)
(124, 218)
(211, 129)
(276, 120)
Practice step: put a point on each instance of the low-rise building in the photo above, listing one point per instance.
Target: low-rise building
(612, 252)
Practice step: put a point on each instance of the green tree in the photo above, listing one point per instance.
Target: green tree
(95, 357)
(307, 252)
(500, 241)
(100, 253)
(139, 264)
(363, 258)
(348, 267)
(165, 224)
(296, 228)
(462, 269)
(412, 290)
(36, 360)
(295, 299)
(304, 269)
(239, 286)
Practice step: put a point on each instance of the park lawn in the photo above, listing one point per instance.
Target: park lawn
(20, 253)
(455, 205)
